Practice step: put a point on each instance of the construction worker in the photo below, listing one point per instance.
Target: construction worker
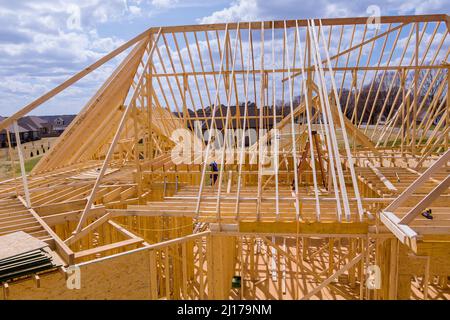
(214, 168)
(428, 214)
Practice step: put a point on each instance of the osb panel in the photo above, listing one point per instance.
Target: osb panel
(411, 264)
(123, 277)
(18, 243)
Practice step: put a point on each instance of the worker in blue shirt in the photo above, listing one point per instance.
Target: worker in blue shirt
(213, 176)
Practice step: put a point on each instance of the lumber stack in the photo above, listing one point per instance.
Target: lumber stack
(22, 255)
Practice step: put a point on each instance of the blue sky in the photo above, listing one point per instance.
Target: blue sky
(43, 42)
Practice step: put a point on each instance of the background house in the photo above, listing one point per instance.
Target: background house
(27, 130)
(55, 125)
(33, 128)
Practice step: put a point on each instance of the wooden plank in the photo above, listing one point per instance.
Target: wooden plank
(62, 249)
(405, 234)
(110, 196)
(332, 277)
(304, 227)
(303, 23)
(425, 202)
(97, 223)
(419, 182)
(22, 165)
(122, 230)
(381, 176)
(63, 217)
(108, 247)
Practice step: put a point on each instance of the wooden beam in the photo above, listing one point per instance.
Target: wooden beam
(403, 233)
(64, 217)
(61, 248)
(332, 277)
(108, 247)
(381, 176)
(303, 23)
(97, 223)
(22, 165)
(419, 182)
(425, 202)
(303, 227)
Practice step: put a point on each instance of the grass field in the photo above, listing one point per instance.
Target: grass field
(5, 167)
(29, 164)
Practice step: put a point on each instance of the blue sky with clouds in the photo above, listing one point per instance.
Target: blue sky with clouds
(43, 42)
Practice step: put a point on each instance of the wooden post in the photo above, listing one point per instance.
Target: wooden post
(393, 269)
(201, 270)
(185, 88)
(137, 152)
(153, 275)
(447, 121)
(253, 275)
(149, 87)
(330, 256)
(351, 271)
(416, 96)
(241, 266)
(185, 279)
(426, 278)
(167, 273)
(261, 138)
(11, 156)
(402, 84)
(221, 265)
(22, 165)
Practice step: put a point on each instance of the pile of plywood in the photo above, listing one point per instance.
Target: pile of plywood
(22, 255)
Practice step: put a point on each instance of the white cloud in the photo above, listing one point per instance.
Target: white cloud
(164, 3)
(43, 43)
(241, 10)
(19, 84)
(335, 10)
(163, 6)
(39, 49)
(245, 10)
(423, 6)
(135, 10)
